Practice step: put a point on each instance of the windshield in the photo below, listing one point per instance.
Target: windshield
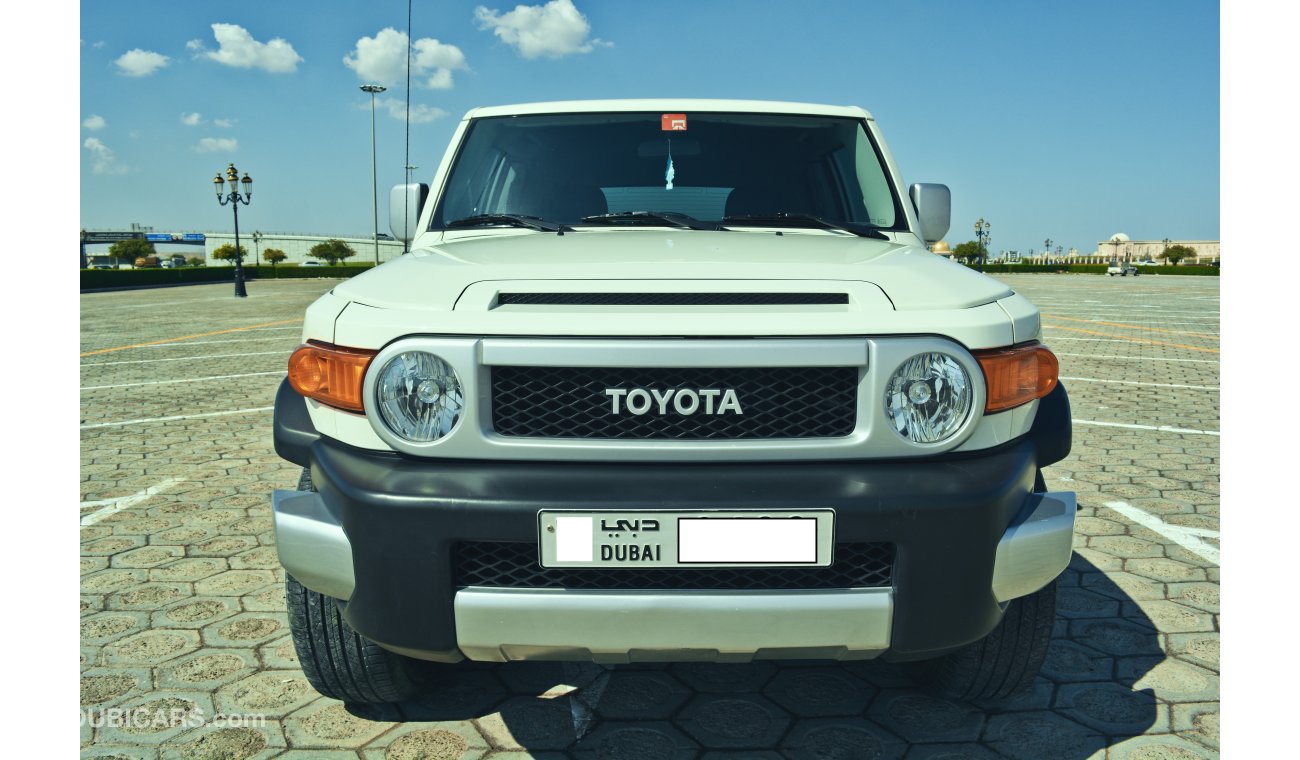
(707, 166)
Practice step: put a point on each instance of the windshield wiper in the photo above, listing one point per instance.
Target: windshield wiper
(512, 220)
(801, 220)
(671, 218)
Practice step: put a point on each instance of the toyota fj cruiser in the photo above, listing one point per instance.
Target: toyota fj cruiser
(671, 380)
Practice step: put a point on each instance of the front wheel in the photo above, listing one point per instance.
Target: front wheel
(1005, 662)
(338, 661)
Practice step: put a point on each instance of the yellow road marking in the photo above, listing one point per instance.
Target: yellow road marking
(187, 337)
(1135, 340)
(1135, 327)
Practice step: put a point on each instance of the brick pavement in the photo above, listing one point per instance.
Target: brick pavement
(182, 607)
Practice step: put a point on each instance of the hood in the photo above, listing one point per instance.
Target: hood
(434, 277)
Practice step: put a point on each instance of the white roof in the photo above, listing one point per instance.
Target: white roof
(670, 105)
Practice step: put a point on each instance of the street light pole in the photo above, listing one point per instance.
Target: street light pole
(374, 89)
(233, 199)
(406, 230)
(257, 249)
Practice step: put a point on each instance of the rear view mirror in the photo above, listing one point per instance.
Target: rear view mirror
(404, 204)
(933, 204)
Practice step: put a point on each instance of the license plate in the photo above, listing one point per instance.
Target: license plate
(766, 538)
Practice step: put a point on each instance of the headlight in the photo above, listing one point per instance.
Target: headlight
(419, 396)
(928, 398)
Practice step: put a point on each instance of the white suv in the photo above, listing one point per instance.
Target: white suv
(671, 379)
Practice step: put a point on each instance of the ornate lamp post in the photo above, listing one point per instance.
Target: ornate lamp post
(257, 249)
(982, 235)
(374, 89)
(234, 198)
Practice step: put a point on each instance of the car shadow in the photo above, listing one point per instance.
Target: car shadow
(1084, 701)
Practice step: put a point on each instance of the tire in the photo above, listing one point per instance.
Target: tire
(1005, 662)
(339, 662)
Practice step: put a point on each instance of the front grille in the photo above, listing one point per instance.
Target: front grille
(514, 565)
(777, 402)
(672, 299)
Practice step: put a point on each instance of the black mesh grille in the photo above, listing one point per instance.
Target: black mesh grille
(778, 402)
(514, 565)
(673, 299)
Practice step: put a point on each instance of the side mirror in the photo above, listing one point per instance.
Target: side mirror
(404, 204)
(933, 204)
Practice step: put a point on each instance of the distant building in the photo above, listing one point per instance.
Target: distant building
(1119, 246)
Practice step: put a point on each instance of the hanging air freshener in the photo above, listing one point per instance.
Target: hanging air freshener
(670, 173)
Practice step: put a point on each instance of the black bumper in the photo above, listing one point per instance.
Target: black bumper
(402, 518)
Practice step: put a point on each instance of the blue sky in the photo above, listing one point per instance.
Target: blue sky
(1050, 120)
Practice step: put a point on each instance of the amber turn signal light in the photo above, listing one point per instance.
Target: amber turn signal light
(1017, 375)
(330, 374)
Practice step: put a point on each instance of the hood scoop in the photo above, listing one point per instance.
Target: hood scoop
(671, 299)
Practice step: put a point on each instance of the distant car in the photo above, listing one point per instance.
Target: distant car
(1123, 270)
(311, 264)
(385, 236)
(101, 266)
(1148, 263)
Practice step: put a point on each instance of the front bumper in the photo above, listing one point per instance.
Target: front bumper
(381, 533)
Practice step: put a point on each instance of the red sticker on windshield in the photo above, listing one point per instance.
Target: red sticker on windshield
(673, 122)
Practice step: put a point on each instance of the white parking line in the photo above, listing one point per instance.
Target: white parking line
(177, 417)
(1160, 428)
(1143, 358)
(117, 505)
(186, 380)
(206, 342)
(1135, 382)
(184, 358)
(1188, 538)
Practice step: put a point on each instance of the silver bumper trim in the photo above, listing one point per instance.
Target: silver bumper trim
(1037, 549)
(311, 543)
(499, 625)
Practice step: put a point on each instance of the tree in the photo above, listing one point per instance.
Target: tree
(226, 252)
(195, 261)
(274, 256)
(1176, 253)
(966, 251)
(131, 249)
(333, 251)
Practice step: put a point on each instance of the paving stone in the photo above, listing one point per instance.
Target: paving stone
(327, 724)
(1160, 748)
(711, 677)
(1113, 709)
(1070, 662)
(816, 738)
(642, 740)
(192, 613)
(530, 723)
(1041, 734)
(246, 629)
(149, 596)
(1177, 681)
(157, 718)
(1170, 617)
(918, 717)
(1198, 648)
(150, 647)
(641, 695)
(455, 740)
(207, 669)
(238, 742)
(109, 626)
(273, 693)
(1199, 722)
(102, 687)
(819, 692)
(733, 721)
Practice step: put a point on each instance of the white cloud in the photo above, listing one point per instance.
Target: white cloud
(98, 45)
(237, 48)
(217, 145)
(191, 119)
(94, 122)
(382, 59)
(420, 114)
(103, 160)
(140, 63)
(224, 123)
(553, 30)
